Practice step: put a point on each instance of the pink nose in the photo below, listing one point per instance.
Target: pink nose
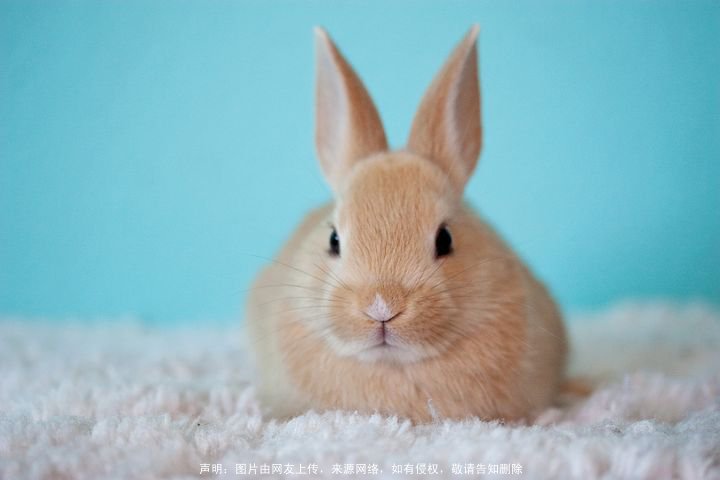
(379, 310)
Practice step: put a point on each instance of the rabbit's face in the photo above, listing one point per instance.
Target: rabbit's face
(389, 246)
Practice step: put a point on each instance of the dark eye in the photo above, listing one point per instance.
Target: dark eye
(334, 244)
(443, 242)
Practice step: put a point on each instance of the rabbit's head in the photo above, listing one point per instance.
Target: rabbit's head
(399, 243)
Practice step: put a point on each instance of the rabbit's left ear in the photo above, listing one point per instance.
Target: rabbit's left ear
(347, 125)
(447, 128)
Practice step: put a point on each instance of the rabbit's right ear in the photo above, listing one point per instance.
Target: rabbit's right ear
(347, 125)
(447, 128)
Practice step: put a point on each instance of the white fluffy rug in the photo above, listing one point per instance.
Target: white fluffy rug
(123, 400)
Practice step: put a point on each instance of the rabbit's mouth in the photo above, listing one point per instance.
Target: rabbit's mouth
(384, 336)
(385, 344)
(385, 341)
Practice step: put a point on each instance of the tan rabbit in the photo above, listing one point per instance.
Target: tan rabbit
(396, 297)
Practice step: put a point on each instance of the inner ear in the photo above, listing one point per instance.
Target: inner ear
(447, 128)
(347, 125)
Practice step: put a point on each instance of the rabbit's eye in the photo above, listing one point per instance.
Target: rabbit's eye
(443, 242)
(334, 244)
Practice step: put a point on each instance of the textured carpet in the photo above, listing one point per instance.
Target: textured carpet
(121, 399)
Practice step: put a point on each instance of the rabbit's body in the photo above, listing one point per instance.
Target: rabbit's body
(417, 308)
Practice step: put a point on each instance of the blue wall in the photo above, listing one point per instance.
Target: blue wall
(149, 149)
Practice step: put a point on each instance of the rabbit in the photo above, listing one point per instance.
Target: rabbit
(396, 297)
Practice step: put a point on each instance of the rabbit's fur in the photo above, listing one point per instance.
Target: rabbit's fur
(388, 325)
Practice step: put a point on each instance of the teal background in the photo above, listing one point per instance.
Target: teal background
(148, 149)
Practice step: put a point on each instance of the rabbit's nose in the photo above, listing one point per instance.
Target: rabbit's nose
(380, 311)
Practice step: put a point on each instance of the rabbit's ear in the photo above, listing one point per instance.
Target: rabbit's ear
(347, 125)
(447, 127)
